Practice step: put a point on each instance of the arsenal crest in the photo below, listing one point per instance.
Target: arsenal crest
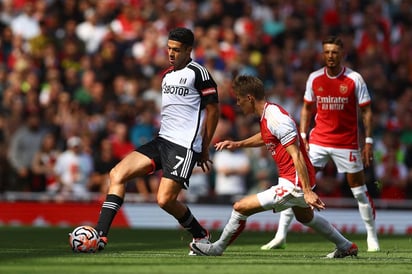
(343, 89)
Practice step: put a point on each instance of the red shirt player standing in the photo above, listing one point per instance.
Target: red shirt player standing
(336, 94)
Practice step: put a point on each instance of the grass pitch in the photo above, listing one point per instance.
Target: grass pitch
(46, 250)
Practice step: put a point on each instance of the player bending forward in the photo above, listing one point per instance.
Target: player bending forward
(296, 174)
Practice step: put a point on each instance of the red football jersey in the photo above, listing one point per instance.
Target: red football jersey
(337, 100)
(278, 131)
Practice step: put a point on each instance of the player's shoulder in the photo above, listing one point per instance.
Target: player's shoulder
(352, 73)
(275, 111)
(355, 76)
(197, 67)
(317, 73)
(166, 71)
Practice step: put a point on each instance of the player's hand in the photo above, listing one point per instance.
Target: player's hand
(204, 164)
(204, 161)
(228, 144)
(313, 200)
(306, 143)
(367, 155)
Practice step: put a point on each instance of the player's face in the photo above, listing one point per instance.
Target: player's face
(179, 54)
(332, 55)
(245, 103)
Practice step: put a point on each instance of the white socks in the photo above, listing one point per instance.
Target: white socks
(324, 228)
(367, 213)
(366, 210)
(286, 217)
(232, 230)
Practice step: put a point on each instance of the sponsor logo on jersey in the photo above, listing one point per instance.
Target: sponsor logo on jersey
(332, 102)
(177, 90)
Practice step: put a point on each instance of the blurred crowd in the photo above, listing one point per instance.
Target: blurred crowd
(80, 86)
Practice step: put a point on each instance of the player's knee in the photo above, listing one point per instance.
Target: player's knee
(240, 207)
(115, 176)
(164, 202)
(303, 215)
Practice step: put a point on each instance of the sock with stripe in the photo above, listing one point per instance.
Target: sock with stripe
(189, 223)
(367, 212)
(109, 210)
(232, 230)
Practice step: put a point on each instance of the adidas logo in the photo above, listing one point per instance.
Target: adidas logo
(174, 172)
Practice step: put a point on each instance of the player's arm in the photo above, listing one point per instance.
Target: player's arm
(305, 118)
(253, 141)
(367, 152)
(212, 118)
(311, 197)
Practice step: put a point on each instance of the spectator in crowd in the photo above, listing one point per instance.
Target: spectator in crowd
(120, 141)
(389, 142)
(231, 170)
(103, 161)
(92, 31)
(43, 164)
(392, 176)
(141, 132)
(26, 24)
(263, 170)
(73, 170)
(200, 186)
(25, 142)
(329, 182)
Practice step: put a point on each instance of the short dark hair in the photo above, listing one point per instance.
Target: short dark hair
(243, 85)
(333, 40)
(182, 35)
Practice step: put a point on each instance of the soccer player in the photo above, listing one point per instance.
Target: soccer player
(279, 133)
(189, 115)
(335, 93)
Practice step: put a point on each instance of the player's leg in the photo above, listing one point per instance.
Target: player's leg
(134, 164)
(350, 162)
(178, 163)
(317, 222)
(167, 200)
(241, 210)
(279, 241)
(319, 156)
(366, 207)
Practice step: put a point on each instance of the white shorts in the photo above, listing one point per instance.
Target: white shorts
(346, 160)
(282, 196)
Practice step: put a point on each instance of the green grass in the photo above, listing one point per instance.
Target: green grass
(46, 250)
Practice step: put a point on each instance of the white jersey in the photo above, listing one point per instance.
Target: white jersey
(185, 93)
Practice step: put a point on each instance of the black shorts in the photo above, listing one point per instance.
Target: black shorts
(177, 162)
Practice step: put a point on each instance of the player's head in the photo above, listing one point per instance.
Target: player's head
(248, 89)
(333, 40)
(182, 35)
(332, 52)
(179, 45)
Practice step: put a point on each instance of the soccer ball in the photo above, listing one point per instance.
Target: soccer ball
(84, 239)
